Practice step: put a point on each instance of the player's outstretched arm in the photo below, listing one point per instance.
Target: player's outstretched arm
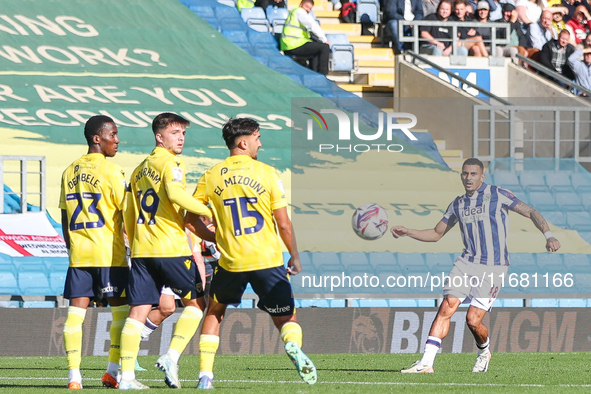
(178, 195)
(66, 228)
(552, 244)
(428, 235)
(196, 226)
(294, 266)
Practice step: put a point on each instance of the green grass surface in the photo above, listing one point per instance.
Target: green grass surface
(345, 373)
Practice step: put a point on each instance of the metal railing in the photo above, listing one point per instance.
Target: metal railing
(416, 39)
(23, 180)
(553, 74)
(453, 76)
(529, 131)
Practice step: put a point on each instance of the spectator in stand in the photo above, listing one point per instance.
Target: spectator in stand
(571, 6)
(430, 6)
(241, 4)
(517, 40)
(555, 54)
(296, 38)
(580, 24)
(492, 5)
(529, 11)
(581, 68)
(471, 38)
(395, 10)
(586, 43)
(558, 22)
(265, 3)
(496, 14)
(433, 34)
(539, 34)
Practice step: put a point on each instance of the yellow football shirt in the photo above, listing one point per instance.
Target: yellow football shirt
(158, 223)
(93, 193)
(243, 194)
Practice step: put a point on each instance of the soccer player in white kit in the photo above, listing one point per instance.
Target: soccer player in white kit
(477, 273)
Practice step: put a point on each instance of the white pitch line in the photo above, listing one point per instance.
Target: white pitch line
(328, 383)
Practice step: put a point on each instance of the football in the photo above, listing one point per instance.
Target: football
(370, 221)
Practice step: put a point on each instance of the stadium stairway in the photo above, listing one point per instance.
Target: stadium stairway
(263, 47)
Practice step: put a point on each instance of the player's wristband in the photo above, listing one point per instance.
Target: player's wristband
(548, 234)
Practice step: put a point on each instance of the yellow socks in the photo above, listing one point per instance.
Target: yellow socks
(292, 332)
(120, 313)
(184, 331)
(73, 336)
(131, 336)
(208, 346)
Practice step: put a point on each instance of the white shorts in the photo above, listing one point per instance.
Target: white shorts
(475, 283)
(168, 291)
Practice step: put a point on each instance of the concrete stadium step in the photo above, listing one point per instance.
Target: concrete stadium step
(328, 17)
(376, 66)
(374, 54)
(359, 88)
(319, 5)
(350, 29)
(451, 153)
(380, 79)
(365, 42)
(342, 78)
(454, 164)
(440, 144)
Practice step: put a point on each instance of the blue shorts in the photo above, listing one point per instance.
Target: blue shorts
(93, 281)
(149, 274)
(271, 285)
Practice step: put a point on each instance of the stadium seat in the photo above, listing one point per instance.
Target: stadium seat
(312, 303)
(544, 303)
(8, 282)
(226, 14)
(57, 281)
(382, 258)
(229, 3)
(327, 259)
(585, 200)
(342, 54)
(368, 11)
(436, 260)
(276, 17)
(354, 259)
(203, 11)
(39, 304)
(549, 262)
(580, 221)
(523, 262)
(586, 235)
(568, 201)
(33, 280)
(373, 303)
(533, 181)
(256, 19)
(261, 40)
(581, 181)
(411, 262)
(6, 261)
(236, 36)
(306, 260)
(578, 263)
(572, 303)
(557, 218)
(505, 179)
(559, 181)
(404, 303)
(542, 201)
(509, 303)
(10, 304)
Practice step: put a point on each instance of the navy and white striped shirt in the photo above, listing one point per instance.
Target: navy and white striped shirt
(484, 223)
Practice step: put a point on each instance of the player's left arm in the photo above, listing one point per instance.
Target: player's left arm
(66, 228)
(294, 266)
(552, 244)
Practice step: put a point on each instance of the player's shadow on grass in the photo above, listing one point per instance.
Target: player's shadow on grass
(329, 369)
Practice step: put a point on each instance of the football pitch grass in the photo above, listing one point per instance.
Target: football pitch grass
(345, 373)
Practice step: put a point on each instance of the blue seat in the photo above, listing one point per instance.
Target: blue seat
(229, 3)
(256, 19)
(559, 181)
(568, 201)
(368, 11)
(411, 262)
(581, 181)
(39, 304)
(203, 11)
(544, 303)
(223, 13)
(572, 303)
(342, 53)
(523, 262)
(373, 303)
(326, 259)
(354, 258)
(236, 36)
(586, 235)
(6, 260)
(261, 40)
(33, 280)
(533, 181)
(577, 262)
(585, 200)
(405, 303)
(557, 218)
(312, 303)
(580, 221)
(382, 258)
(509, 302)
(57, 281)
(542, 201)
(306, 261)
(505, 179)
(8, 282)
(276, 17)
(549, 262)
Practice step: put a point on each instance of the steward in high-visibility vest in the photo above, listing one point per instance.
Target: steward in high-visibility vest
(240, 4)
(294, 34)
